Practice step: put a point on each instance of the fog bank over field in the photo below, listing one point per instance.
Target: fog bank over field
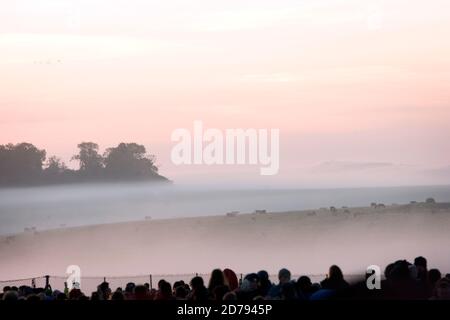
(59, 206)
(306, 242)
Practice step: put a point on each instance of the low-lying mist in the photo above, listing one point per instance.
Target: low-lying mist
(306, 242)
(59, 206)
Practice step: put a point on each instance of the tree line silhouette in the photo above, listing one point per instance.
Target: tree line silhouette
(25, 164)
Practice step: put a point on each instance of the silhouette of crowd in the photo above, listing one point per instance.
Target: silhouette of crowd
(402, 280)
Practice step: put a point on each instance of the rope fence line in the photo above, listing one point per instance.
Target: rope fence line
(144, 275)
(90, 283)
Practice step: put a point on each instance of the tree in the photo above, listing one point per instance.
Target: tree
(91, 162)
(23, 164)
(129, 161)
(20, 163)
(55, 166)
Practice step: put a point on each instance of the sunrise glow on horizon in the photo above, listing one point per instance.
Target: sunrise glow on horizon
(350, 85)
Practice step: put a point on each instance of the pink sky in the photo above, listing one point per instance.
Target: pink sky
(352, 85)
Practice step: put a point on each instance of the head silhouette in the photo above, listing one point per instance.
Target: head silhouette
(231, 279)
(217, 279)
(284, 276)
(335, 273)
